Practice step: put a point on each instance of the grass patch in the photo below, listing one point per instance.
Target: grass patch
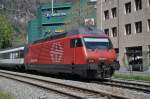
(5, 96)
(131, 77)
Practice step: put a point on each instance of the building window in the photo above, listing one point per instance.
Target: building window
(138, 27)
(114, 12)
(114, 31)
(106, 31)
(135, 58)
(149, 55)
(149, 24)
(128, 7)
(117, 54)
(106, 14)
(128, 29)
(117, 50)
(138, 4)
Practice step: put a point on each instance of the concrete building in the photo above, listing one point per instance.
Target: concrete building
(127, 22)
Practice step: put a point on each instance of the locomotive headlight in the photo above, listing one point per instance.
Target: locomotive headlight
(111, 60)
(102, 59)
(91, 60)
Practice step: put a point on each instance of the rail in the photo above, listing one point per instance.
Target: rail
(66, 89)
(138, 86)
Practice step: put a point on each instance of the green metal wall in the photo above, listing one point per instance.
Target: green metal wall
(33, 30)
(52, 24)
(66, 16)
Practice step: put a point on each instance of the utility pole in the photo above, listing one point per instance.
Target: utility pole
(101, 14)
(52, 7)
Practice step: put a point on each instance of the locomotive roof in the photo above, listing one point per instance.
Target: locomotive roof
(81, 30)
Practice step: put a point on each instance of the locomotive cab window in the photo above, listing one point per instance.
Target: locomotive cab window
(98, 43)
(76, 43)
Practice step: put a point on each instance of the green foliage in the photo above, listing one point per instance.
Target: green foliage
(131, 77)
(4, 96)
(6, 32)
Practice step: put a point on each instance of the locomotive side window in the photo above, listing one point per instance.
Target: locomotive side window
(76, 43)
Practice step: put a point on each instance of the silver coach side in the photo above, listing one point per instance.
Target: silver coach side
(12, 57)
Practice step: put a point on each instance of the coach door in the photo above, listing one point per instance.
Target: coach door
(76, 45)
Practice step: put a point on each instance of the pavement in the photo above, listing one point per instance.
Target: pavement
(124, 70)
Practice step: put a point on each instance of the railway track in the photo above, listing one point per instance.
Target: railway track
(138, 86)
(66, 89)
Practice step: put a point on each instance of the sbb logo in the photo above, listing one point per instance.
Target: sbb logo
(57, 52)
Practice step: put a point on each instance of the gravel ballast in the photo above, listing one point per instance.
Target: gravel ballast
(115, 90)
(25, 91)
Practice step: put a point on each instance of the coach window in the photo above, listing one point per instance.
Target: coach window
(11, 55)
(16, 55)
(76, 43)
(1, 56)
(21, 54)
(6, 56)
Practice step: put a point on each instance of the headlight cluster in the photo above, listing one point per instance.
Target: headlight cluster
(92, 61)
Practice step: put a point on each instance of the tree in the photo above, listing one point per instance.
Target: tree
(6, 32)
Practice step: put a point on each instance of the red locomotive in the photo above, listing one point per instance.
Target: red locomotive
(81, 52)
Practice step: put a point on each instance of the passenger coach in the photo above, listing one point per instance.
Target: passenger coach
(13, 58)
